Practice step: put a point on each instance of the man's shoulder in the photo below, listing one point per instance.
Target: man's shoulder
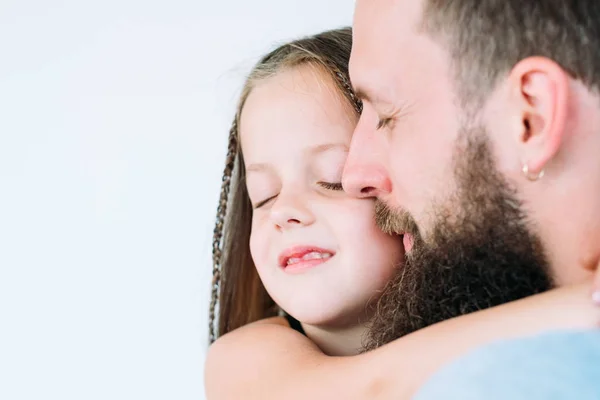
(559, 365)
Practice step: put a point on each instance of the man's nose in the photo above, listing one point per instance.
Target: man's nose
(365, 173)
(362, 180)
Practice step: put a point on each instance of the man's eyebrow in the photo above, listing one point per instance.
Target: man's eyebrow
(362, 95)
(370, 98)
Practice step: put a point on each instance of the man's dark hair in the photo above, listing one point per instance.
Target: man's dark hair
(487, 38)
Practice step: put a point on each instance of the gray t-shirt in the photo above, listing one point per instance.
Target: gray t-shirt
(560, 365)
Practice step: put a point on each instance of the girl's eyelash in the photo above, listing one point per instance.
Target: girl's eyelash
(262, 203)
(336, 186)
(382, 123)
(331, 186)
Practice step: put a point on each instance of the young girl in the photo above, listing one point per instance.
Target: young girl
(316, 250)
(299, 265)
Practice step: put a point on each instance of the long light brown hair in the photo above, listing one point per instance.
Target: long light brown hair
(238, 295)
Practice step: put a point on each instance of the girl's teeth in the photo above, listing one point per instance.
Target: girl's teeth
(315, 255)
(293, 261)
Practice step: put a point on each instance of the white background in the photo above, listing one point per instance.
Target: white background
(113, 123)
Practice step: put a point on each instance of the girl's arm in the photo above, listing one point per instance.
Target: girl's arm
(268, 360)
(596, 286)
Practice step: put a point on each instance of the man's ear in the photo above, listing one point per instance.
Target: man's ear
(539, 91)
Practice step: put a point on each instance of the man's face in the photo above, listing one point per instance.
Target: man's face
(402, 147)
(434, 173)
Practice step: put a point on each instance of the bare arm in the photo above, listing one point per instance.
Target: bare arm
(269, 360)
(596, 288)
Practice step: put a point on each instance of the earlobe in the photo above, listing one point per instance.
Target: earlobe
(543, 89)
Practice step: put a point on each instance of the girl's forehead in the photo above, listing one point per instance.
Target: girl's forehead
(293, 109)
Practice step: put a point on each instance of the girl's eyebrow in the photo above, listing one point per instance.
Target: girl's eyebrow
(257, 167)
(312, 150)
(321, 148)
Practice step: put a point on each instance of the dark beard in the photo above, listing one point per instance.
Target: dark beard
(478, 254)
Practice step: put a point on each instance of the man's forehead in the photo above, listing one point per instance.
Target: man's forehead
(387, 15)
(382, 38)
(382, 28)
(367, 9)
(370, 83)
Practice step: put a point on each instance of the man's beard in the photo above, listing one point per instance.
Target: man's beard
(479, 252)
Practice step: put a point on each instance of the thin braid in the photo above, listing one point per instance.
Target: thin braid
(220, 222)
(343, 80)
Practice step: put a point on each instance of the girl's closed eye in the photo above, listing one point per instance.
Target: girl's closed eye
(333, 186)
(337, 186)
(264, 202)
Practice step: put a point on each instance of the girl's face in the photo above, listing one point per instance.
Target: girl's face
(316, 249)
